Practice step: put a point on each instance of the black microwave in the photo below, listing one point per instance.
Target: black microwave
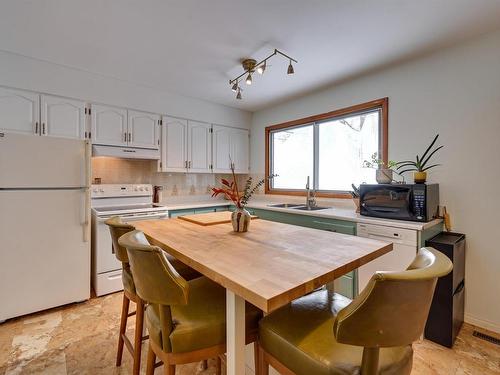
(413, 202)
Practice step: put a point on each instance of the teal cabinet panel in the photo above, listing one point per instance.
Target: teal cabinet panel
(204, 210)
(175, 213)
(222, 208)
(335, 226)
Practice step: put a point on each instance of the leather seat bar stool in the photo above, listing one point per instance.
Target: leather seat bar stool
(324, 333)
(118, 228)
(186, 320)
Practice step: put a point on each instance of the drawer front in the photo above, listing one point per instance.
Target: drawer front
(335, 226)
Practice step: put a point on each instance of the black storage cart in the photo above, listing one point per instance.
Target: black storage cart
(446, 315)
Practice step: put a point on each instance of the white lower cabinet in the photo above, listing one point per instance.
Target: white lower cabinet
(62, 117)
(19, 111)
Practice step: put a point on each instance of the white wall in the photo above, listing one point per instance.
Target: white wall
(31, 74)
(453, 92)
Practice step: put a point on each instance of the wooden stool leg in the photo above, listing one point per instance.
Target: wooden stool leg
(256, 356)
(168, 369)
(218, 366)
(150, 369)
(263, 365)
(123, 328)
(139, 322)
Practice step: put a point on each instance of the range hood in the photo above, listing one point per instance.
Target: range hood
(125, 152)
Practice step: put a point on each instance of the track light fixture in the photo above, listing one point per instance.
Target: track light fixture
(251, 65)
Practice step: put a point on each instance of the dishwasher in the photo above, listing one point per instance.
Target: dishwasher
(403, 252)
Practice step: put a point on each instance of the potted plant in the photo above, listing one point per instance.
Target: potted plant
(420, 166)
(240, 218)
(383, 173)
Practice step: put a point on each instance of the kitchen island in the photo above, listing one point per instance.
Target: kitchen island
(269, 266)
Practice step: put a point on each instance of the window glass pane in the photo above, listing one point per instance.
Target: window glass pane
(343, 146)
(293, 157)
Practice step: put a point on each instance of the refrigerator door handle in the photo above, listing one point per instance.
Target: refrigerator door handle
(86, 195)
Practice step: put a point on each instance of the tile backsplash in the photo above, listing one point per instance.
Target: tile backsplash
(128, 171)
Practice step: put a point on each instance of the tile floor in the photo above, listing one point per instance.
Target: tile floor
(81, 339)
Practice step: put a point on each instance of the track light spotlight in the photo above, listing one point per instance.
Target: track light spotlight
(238, 95)
(262, 67)
(290, 68)
(249, 79)
(235, 86)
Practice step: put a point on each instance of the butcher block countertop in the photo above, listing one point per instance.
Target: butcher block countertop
(271, 264)
(212, 218)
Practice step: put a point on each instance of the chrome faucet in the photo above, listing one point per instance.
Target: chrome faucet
(310, 196)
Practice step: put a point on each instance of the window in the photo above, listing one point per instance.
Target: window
(329, 148)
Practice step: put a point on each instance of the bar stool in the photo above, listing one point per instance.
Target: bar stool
(186, 320)
(324, 333)
(118, 228)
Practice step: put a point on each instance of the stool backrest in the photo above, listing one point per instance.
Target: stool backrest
(118, 228)
(156, 281)
(393, 308)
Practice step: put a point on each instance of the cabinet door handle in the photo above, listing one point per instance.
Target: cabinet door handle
(43, 128)
(124, 137)
(129, 137)
(189, 164)
(85, 135)
(36, 127)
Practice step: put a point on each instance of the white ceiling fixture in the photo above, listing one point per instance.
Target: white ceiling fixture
(250, 66)
(188, 47)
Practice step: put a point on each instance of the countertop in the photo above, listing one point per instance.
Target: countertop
(341, 209)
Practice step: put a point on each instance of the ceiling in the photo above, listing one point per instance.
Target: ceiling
(193, 47)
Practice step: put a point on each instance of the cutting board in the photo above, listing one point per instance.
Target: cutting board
(211, 218)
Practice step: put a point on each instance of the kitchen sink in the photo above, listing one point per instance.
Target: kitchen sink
(316, 208)
(286, 205)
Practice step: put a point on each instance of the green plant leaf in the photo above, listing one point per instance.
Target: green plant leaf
(432, 166)
(429, 148)
(430, 155)
(407, 164)
(409, 170)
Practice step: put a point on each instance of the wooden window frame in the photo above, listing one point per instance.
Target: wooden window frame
(378, 104)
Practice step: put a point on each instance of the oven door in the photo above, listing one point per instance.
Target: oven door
(105, 259)
(390, 202)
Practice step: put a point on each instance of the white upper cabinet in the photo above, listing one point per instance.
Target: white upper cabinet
(222, 149)
(231, 145)
(239, 142)
(61, 117)
(199, 147)
(143, 129)
(109, 125)
(19, 111)
(174, 144)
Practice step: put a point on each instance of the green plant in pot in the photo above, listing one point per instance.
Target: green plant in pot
(421, 165)
(384, 171)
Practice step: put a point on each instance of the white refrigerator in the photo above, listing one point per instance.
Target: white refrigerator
(44, 223)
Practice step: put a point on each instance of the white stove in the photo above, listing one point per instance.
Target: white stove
(131, 202)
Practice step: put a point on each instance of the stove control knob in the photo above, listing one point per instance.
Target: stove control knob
(141, 188)
(146, 188)
(136, 188)
(101, 190)
(95, 190)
